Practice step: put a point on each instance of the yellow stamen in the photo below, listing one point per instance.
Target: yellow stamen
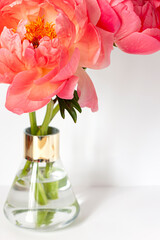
(38, 29)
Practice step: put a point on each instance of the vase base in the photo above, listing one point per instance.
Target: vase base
(41, 197)
(42, 219)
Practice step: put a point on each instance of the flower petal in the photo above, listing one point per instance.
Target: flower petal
(107, 39)
(70, 67)
(68, 89)
(51, 84)
(93, 11)
(86, 91)
(65, 30)
(66, 6)
(89, 46)
(139, 43)
(20, 103)
(23, 81)
(45, 91)
(11, 41)
(109, 20)
(130, 22)
(18, 100)
(9, 65)
(30, 58)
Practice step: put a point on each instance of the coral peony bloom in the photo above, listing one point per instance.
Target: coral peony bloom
(43, 46)
(140, 25)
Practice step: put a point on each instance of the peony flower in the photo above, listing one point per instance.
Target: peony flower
(134, 23)
(140, 25)
(43, 46)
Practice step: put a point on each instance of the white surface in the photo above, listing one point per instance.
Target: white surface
(119, 145)
(106, 213)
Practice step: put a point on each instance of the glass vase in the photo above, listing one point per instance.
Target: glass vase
(41, 195)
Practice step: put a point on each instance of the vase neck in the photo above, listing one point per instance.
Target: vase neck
(41, 148)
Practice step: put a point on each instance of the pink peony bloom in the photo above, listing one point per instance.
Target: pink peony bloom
(43, 46)
(140, 25)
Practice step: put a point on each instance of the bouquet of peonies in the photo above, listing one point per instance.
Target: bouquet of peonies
(46, 46)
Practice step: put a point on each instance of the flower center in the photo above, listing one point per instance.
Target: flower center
(38, 29)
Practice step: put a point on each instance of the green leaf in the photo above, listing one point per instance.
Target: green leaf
(70, 105)
(76, 97)
(76, 105)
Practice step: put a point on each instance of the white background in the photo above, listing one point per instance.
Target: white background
(117, 146)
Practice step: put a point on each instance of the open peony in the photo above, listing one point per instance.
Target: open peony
(43, 46)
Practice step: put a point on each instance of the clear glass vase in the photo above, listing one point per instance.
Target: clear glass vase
(41, 195)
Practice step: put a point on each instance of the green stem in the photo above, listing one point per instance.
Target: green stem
(55, 111)
(40, 194)
(44, 128)
(33, 123)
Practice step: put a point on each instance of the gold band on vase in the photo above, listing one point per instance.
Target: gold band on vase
(41, 148)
